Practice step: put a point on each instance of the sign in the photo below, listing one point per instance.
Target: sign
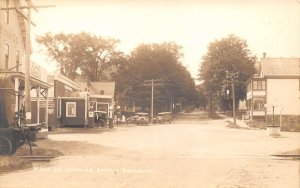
(91, 114)
(50, 104)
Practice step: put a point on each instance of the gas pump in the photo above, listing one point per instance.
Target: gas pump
(91, 119)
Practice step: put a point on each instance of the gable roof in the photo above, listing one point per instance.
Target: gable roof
(280, 67)
(95, 88)
(107, 87)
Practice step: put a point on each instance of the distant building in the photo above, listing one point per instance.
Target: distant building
(101, 96)
(275, 90)
(72, 100)
(62, 90)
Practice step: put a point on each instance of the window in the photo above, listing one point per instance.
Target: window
(101, 92)
(7, 12)
(263, 85)
(254, 85)
(259, 103)
(6, 56)
(259, 85)
(71, 109)
(17, 60)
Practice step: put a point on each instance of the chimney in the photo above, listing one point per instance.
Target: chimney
(264, 55)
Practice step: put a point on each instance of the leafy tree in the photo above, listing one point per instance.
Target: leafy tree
(160, 62)
(202, 100)
(226, 57)
(89, 54)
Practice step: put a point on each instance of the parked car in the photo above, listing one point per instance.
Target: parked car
(100, 118)
(132, 119)
(142, 119)
(163, 117)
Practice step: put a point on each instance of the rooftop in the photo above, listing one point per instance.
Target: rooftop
(280, 67)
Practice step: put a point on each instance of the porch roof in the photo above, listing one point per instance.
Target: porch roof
(34, 81)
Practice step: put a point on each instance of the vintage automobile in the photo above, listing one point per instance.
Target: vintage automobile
(163, 117)
(132, 119)
(141, 118)
(100, 118)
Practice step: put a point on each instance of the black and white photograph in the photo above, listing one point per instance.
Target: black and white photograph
(149, 93)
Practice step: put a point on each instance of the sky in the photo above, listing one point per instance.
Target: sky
(271, 26)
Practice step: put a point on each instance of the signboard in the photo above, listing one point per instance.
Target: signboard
(91, 114)
(50, 104)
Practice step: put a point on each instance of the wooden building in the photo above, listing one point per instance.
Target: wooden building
(12, 63)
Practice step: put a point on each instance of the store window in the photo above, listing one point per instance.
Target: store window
(71, 109)
(259, 103)
(6, 55)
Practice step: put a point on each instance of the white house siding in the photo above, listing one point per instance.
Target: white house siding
(10, 34)
(259, 93)
(283, 94)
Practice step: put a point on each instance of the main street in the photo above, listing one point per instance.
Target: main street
(190, 152)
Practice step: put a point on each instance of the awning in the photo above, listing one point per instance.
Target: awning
(34, 82)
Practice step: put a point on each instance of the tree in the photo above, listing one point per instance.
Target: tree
(89, 54)
(225, 57)
(160, 62)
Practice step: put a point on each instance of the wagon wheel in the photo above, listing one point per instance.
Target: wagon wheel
(5, 146)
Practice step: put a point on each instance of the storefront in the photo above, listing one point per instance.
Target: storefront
(14, 82)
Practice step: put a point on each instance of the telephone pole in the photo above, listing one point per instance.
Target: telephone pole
(233, 102)
(27, 17)
(232, 78)
(151, 83)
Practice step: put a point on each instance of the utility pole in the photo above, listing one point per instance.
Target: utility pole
(27, 17)
(233, 103)
(151, 83)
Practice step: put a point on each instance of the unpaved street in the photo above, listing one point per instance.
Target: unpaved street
(187, 153)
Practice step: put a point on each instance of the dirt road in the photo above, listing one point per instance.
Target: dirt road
(187, 153)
